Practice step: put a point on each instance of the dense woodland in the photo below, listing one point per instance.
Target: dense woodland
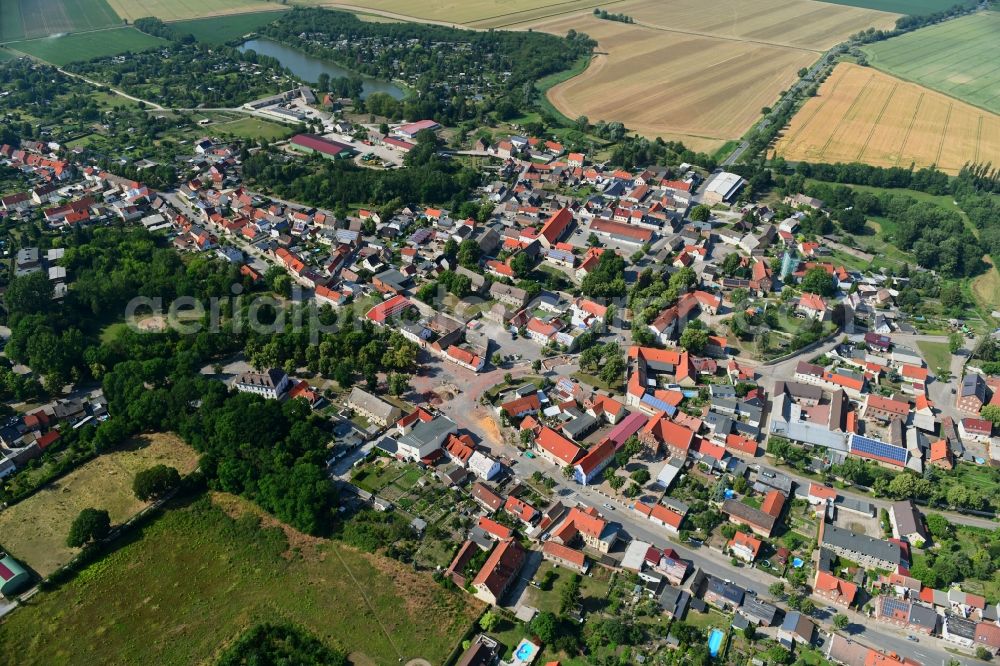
(454, 74)
(278, 644)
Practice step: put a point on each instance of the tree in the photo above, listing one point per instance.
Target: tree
(399, 383)
(777, 590)
(701, 213)
(468, 253)
(155, 482)
(568, 471)
(991, 413)
(954, 342)
(536, 365)
(694, 338)
(983, 653)
(29, 293)
(488, 622)
(818, 281)
(640, 475)
(841, 621)
(544, 626)
(613, 370)
(90, 525)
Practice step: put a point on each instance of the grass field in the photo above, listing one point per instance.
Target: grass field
(197, 578)
(864, 115)
(180, 10)
(35, 530)
(87, 45)
(222, 29)
(911, 7)
(936, 354)
(27, 19)
(253, 128)
(960, 58)
(986, 289)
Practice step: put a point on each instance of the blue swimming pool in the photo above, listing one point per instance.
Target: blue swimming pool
(524, 651)
(715, 641)
(797, 563)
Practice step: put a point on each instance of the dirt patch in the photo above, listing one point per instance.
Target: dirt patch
(488, 427)
(154, 324)
(234, 506)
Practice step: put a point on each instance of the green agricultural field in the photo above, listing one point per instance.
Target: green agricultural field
(6, 55)
(198, 576)
(11, 26)
(41, 18)
(911, 7)
(960, 58)
(87, 45)
(225, 28)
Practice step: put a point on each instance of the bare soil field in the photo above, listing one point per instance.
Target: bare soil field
(701, 90)
(861, 114)
(179, 10)
(35, 530)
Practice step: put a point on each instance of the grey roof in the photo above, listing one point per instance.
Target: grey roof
(270, 378)
(427, 431)
(730, 592)
(579, 426)
(907, 518)
(973, 384)
(923, 616)
(959, 626)
(776, 480)
(722, 391)
(798, 624)
(855, 505)
(748, 514)
(759, 611)
(861, 543)
(371, 403)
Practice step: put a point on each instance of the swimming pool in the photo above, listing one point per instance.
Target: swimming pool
(797, 562)
(715, 641)
(525, 651)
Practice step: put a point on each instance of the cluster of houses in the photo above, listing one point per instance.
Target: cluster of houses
(25, 437)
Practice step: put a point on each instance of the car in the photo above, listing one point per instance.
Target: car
(529, 454)
(912, 638)
(608, 507)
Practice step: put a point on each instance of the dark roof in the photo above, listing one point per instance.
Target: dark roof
(861, 543)
(728, 591)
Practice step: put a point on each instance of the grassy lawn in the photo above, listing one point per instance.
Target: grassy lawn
(222, 29)
(986, 289)
(202, 574)
(253, 128)
(35, 530)
(87, 45)
(936, 354)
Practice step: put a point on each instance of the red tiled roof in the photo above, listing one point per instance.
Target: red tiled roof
(556, 225)
(773, 503)
(564, 553)
(558, 446)
(491, 526)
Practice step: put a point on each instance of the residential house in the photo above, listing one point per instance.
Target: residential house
(499, 572)
(587, 524)
(565, 556)
(971, 394)
(907, 523)
(373, 408)
(870, 552)
(745, 547)
(270, 384)
(834, 590)
(796, 628)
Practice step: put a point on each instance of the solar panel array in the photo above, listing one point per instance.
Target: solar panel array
(891, 606)
(865, 446)
(656, 403)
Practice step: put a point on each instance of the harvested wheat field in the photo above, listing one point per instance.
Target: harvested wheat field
(863, 115)
(35, 530)
(179, 10)
(701, 90)
(813, 26)
(471, 13)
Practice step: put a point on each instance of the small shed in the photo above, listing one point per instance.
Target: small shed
(13, 577)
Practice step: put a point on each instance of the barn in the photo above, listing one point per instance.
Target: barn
(13, 577)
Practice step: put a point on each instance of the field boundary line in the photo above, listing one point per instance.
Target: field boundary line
(909, 128)
(936, 90)
(580, 8)
(710, 35)
(979, 136)
(944, 133)
(368, 603)
(847, 114)
(871, 132)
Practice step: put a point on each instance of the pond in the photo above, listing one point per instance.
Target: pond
(308, 68)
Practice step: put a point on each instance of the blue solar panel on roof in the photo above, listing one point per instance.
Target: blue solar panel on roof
(874, 447)
(656, 403)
